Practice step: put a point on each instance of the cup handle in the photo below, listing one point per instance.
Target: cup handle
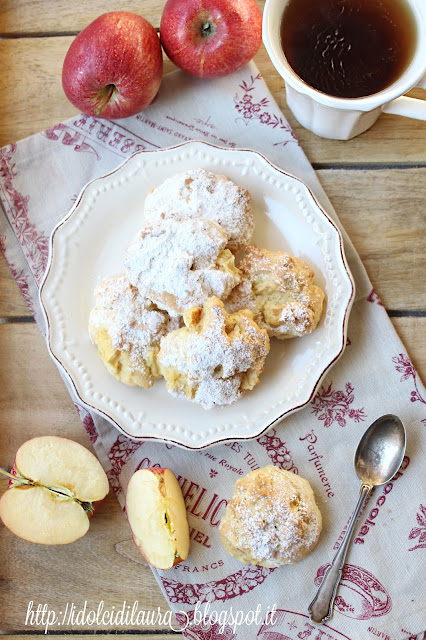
(409, 107)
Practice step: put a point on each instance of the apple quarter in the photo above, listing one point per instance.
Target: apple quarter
(157, 517)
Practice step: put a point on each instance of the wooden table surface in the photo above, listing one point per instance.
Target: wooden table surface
(377, 184)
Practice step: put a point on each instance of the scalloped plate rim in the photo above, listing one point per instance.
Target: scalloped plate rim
(214, 440)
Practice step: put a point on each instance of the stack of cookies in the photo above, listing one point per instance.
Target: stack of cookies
(184, 310)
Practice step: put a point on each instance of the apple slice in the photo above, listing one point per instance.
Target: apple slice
(157, 516)
(55, 483)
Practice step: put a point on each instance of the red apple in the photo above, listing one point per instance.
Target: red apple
(211, 38)
(157, 516)
(113, 68)
(53, 488)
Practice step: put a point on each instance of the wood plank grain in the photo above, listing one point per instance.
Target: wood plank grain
(60, 16)
(103, 566)
(412, 332)
(11, 301)
(28, 408)
(19, 17)
(391, 140)
(33, 100)
(31, 79)
(36, 101)
(383, 213)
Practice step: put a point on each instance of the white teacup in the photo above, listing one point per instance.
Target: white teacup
(345, 118)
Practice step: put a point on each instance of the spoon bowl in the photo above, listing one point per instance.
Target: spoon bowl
(380, 451)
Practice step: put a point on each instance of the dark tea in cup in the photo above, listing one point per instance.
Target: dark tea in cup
(348, 48)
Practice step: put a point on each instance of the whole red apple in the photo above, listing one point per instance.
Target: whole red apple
(211, 38)
(113, 68)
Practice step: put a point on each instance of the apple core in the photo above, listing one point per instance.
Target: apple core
(207, 29)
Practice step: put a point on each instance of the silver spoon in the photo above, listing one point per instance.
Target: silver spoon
(378, 457)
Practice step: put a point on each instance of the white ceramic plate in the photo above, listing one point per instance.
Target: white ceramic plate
(90, 244)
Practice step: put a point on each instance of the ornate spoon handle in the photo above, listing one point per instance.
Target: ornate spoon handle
(321, 606)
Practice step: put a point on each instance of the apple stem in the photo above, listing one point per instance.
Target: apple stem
(87, 506)
(62, 491)
(17, 479)
(103, 96)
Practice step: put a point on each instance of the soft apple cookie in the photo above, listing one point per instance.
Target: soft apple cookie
(178, 264)
(216, 357)
(278, 289)
(272, 518)
(198, 193)
(127, 328)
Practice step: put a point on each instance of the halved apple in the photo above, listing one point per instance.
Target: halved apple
(53, 487)
(157, 516)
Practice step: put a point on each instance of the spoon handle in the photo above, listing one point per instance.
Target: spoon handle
(321, 607)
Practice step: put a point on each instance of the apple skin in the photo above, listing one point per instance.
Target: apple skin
(113, 68)
(14, 472)
(232, 39)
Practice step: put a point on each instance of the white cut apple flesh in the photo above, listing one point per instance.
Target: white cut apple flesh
(157, 516)
(52, 493)
(39, 515)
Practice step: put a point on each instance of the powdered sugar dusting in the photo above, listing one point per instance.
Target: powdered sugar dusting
(214, 355)
(277, 287)
(213, 391)
(271, 519)
(198, 193)
(241, 297)
(177, 263)
(295, 316)
(133, 323)
(287, 271)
